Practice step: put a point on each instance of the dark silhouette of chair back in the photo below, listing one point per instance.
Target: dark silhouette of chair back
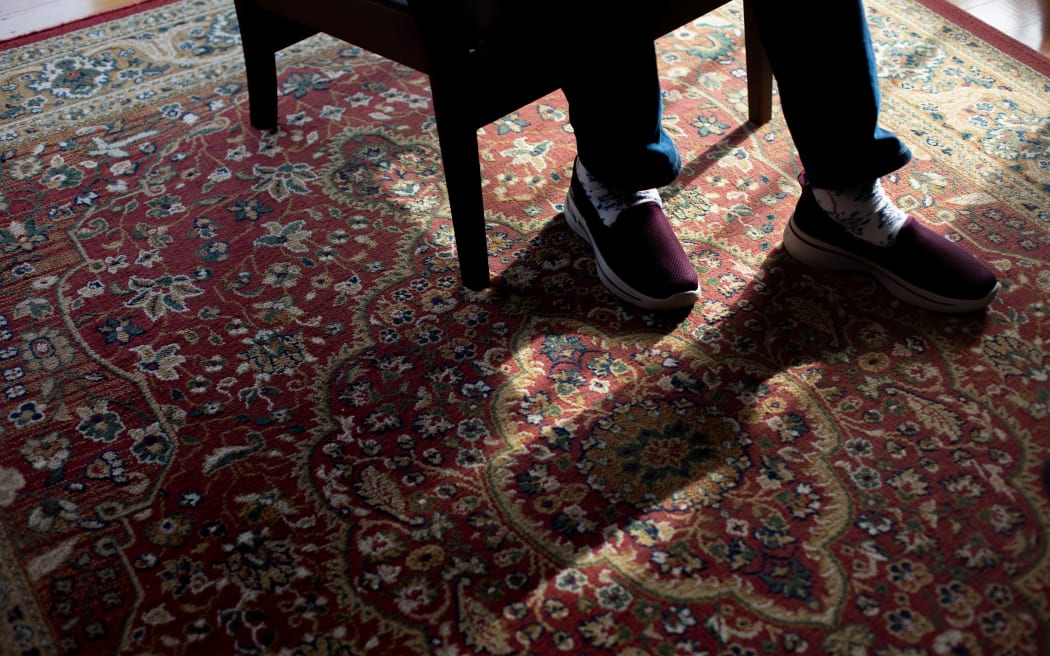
(446, 40)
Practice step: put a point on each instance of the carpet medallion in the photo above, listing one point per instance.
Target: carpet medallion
(248, 407)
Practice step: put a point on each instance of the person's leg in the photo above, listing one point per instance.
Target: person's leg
(615, 104)
(623, 156)
(826, 76)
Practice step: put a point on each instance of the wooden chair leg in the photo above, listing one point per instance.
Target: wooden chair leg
(260, 67)
(262, 35)
(759, 73)
(460, 160)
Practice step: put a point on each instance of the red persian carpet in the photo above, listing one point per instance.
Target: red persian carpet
(247, 407)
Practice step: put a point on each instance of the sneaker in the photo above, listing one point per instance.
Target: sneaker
(639, 258)
(920, 268)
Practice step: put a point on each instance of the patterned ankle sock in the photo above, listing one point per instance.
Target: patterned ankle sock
(609, 201)
(865, 211)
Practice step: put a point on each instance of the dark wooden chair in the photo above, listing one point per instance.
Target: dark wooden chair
(439, 38)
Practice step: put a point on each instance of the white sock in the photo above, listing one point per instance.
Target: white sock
(865, 211)
(609, 201)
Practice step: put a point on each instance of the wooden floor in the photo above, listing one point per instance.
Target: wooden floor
(18, 17)
(1028, 21)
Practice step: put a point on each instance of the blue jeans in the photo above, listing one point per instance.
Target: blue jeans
(824, 66)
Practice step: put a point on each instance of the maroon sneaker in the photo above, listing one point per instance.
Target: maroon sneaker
(920, 268)
(639, 258)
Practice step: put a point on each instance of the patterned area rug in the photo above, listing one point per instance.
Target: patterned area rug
(248, 408)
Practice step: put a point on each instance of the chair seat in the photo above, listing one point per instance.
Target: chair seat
(385, 27)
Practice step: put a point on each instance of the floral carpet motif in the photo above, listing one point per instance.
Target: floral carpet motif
(248, 407)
